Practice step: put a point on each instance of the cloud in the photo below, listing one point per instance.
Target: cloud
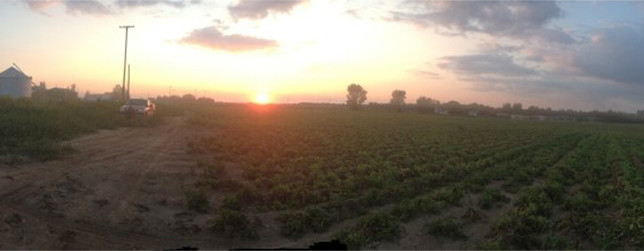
(73, 7)
(614, 54)
(96, 7)
(426, 74)
(147, 3)
(596, 72)
(508, 18)
(563, 91)
(258, 9)
(525, 55)
(484, 64)
(40, 6)
(91, 7)
(211, 37)
(553, 35)
(519, 20)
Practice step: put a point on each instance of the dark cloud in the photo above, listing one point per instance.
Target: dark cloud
(211, 37)
(509, 18)
(524, 21)
(597, 67)
(484, 64)
(597, 72)
(146, 3)
(614, 54)
(553, 35)
(258, 9)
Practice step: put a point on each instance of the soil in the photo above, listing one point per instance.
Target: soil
(126, 189)
(120, 189)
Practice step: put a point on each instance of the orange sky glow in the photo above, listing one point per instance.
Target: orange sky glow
(309, 51)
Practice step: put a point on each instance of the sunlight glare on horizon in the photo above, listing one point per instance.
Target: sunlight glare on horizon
(262, 98)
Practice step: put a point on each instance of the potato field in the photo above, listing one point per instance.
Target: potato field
(391, 180)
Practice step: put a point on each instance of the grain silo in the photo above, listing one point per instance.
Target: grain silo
(15, 83)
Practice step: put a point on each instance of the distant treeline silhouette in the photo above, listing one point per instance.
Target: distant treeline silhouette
(357, 96)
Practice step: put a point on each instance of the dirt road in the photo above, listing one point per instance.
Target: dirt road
(122, 189)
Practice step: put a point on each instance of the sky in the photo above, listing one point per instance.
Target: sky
(582, 55)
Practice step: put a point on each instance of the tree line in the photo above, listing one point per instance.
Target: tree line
(357, 96)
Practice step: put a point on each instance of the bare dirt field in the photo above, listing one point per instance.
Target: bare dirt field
(121, 189)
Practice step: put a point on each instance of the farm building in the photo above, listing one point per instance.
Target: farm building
(62, 94)
(15, 83)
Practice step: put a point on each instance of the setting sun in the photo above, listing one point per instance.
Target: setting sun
(262, 98)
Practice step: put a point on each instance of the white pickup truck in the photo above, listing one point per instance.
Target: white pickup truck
(138, 106)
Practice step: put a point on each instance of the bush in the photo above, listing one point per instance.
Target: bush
(451, 195)
(409, 209)
(231, 203)
(317, 219)
(370, 229)
(490, 197)
(293, 225)
(235, 224)
(446, 227)
(197, 201)
(520, 229)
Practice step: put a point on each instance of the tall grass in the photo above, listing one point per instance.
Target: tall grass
(32, 130)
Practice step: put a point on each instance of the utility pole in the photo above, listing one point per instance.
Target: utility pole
(126, 27)
(128, 81)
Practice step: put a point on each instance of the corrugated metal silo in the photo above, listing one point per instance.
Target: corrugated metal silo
(15, 83)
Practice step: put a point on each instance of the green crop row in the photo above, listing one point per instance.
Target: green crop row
(322, 167)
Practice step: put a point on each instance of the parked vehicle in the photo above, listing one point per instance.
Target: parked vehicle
(138, 106)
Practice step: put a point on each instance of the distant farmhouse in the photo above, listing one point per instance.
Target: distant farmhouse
(15, 83)
(62, 94)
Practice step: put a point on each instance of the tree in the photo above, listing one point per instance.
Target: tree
(39, 92)
(517, 107)
(206, 100)
(357, 95)
(189, 97)
(454, 107)
(398, 99)
(117, 93)
(507, 107)
(426, 104)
